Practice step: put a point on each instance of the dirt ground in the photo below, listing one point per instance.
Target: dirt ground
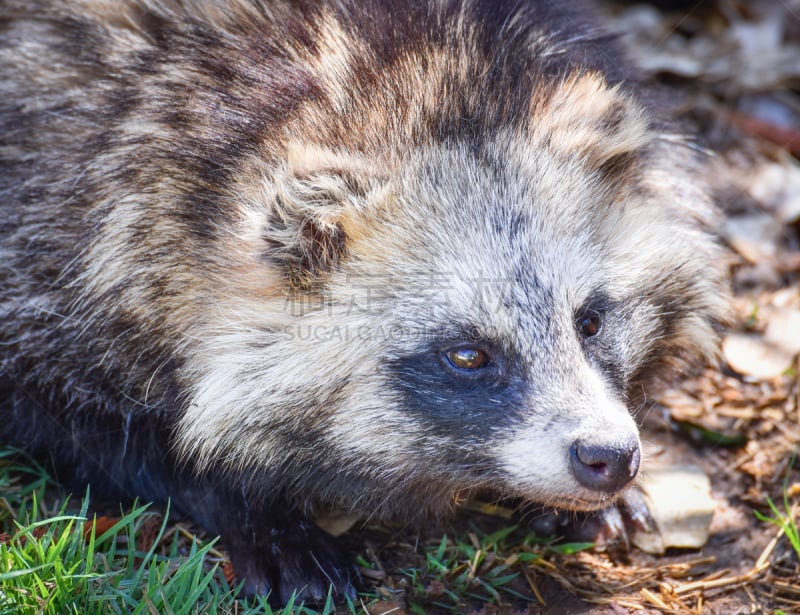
(732, 70)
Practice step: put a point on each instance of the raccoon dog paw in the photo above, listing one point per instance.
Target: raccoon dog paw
(297, 560)
(611, 525)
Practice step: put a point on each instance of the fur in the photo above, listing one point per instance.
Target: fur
(239, 239)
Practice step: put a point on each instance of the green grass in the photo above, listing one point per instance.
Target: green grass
(54, 562)
(55, 559)
(51, 566)
(784, 520)
(478, 568)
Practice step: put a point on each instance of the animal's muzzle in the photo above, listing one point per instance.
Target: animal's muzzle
(603, 464)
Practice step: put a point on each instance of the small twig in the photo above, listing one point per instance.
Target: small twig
(654, 599)
(762, 562)
(532, 584)
(735, 580)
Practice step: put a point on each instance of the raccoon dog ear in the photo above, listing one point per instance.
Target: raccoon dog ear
(607, 127)
(321, 197)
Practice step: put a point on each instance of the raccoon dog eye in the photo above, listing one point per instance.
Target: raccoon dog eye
(590, 324)
(467, 358)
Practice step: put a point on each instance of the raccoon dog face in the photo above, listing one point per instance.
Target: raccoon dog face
(461, 317)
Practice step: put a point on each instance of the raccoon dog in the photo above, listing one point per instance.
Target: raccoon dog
(272, 258)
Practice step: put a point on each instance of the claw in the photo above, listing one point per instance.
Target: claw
(615, 524)
(636, 511)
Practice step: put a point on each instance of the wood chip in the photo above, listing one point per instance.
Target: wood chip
(751, 355)
(680, 502)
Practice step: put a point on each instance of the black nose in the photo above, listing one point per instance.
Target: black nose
(605, 465)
